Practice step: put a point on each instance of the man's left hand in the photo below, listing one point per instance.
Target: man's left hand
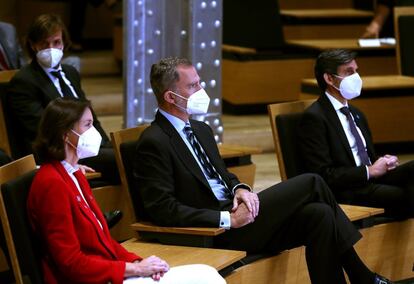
(392, 162)
(249, 198)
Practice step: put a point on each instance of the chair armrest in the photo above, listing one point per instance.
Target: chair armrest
(355, 213)
(198, 231)
(93, 175)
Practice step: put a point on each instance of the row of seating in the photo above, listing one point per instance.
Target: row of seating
(387, 247)
(372, 61)
(232, 263)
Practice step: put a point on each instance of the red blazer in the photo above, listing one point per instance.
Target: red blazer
(75, 248)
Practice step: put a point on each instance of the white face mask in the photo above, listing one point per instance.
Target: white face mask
(49, 57)
(197, 103)
(350, 86)
(89, 143)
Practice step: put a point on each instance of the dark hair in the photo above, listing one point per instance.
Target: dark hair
(329, 61)
(58, 118)
(164, 75)
(43, 27)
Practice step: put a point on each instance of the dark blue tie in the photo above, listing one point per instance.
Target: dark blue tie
(202, 156)
(362, 152)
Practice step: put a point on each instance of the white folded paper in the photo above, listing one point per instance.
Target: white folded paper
(373, 42)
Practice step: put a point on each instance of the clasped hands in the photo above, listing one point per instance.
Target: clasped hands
(152, 266)
(245, 208)
(383, 165)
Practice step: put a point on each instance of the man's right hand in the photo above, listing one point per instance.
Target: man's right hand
(241, 216)
(379, 168)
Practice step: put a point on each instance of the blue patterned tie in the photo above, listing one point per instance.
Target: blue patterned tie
(202, 156)
(362, 152)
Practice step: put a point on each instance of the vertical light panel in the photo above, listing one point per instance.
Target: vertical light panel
(154, 29)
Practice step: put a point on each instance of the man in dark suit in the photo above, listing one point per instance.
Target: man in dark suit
(44, 80)
(183, 181)
(10, 48)
(337, 144)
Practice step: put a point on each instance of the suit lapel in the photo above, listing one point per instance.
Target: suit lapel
(89, 209)
(44, 81)
(364, 131)
(181, 149)
(336, 124)
(73, 81)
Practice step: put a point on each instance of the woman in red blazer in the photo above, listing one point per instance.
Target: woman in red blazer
(76, 243)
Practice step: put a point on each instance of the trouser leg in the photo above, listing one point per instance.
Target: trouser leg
(277, 206)
(313, 226)
(402, 177)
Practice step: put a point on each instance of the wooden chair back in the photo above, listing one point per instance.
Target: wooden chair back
(10, 172)
(403, 25)
(124, 141)
(286, 115)
(119, 138)
(5, 77)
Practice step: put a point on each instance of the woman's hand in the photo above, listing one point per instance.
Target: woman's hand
(85, 169)
(152, 266)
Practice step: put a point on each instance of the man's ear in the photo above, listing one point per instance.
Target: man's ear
(168, 97)
(328, 79)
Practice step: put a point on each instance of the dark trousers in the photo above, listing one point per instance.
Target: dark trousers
(300, 211)
(394, 191)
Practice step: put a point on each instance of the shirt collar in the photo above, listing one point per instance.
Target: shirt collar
(335, 103)
(175, 121)
(69, 168)
(52, 69)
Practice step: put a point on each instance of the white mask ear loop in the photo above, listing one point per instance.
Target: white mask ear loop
(70, 143)
(179, 95)
(180, 107)
(333, 85)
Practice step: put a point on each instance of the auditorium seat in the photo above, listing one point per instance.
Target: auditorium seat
(264, 67)
(324, 23)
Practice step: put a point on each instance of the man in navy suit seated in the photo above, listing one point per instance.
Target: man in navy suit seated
(336, 143)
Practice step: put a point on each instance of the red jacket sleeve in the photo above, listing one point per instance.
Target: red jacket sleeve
(74, 256)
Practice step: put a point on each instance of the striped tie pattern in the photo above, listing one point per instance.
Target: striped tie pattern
(201, 155)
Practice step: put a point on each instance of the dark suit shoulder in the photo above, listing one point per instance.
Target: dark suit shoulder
(201, 126)
(30, 73)
(70, 70)
(27, 81)
(356, 112)
(152, 132)
(314, 112)
(313, 109)
(24, 73)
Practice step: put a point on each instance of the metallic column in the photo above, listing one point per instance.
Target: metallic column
(154, 29)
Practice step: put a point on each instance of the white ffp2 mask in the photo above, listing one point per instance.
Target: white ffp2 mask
(49, 57)
(89, 143)
(197, 103)
(350, 86)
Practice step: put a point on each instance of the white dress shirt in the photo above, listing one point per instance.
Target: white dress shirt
(55, 80)
(218, 189)
(70, 170)
(347, 129)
